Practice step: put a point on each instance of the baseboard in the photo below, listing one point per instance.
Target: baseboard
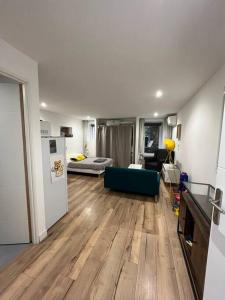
(43, 235)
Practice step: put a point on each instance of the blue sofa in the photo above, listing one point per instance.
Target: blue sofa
(132, 180)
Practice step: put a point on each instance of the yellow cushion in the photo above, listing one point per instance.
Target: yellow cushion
(80, 157)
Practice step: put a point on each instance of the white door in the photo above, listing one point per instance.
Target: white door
(14, 226)
(215, 271)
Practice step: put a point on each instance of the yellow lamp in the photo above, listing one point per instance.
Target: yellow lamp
(170, 146)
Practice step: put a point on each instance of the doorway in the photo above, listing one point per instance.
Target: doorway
(15, 221)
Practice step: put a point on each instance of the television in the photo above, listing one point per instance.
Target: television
(66, 131)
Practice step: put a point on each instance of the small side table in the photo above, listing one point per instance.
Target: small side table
(170, 173)
(135, 166)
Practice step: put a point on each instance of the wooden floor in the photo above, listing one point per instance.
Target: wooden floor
(110, 246)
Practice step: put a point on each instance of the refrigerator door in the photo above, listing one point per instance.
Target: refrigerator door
(55, 179)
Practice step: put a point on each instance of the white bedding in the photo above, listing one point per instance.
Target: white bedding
(89, 165)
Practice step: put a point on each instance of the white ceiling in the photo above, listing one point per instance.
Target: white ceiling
(107, 58)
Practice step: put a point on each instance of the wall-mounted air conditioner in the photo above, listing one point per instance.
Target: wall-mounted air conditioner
(112, 122)
(172, 121)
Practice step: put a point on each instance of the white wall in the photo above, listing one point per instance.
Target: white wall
(74, 144)
(15, 63)
(201, 124)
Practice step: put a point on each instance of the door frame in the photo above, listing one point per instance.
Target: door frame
(31, 208)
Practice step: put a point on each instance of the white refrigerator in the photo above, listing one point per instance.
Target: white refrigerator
(55, 179)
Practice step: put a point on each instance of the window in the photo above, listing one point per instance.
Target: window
(152, 136)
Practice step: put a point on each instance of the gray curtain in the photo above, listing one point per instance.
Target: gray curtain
(101, 141)
(123, 145)
(116, 142)
(141, 140)
(85, 135)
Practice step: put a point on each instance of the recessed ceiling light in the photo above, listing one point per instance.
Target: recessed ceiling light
(43, 104)
(156, 114)
(159, 94)
(88, 117)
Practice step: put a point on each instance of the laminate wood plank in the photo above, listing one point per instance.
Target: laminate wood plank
(59, 288)
(67, 256)
(105, 284)
(149, 225)
(85, 215)
(136, 242)
(37, 266)
(127, 282)
(81, 288)
(41, 284)
(166, 277)
(146, 286)
(79, 193)
(69, 253)
(81, 189)
(16, 288)
(90, 245)
(110, 245)
(44, 257)
(134, 209)
(13, 270)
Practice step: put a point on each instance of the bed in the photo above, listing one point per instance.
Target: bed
(90, 165)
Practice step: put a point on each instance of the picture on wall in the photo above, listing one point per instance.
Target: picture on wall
(57, 167)
(179, 132)
(66, 131)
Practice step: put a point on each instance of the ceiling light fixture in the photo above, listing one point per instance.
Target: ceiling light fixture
(43, 104)
(156, 114)
(88, 117)
(159, 94)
